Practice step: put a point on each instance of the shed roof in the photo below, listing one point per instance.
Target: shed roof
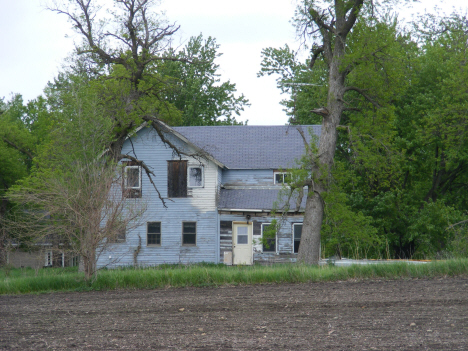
(251, 147)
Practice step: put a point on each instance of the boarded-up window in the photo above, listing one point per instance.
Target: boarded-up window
(176, 178)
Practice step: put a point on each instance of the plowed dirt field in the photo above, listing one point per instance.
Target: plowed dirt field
(360, 315)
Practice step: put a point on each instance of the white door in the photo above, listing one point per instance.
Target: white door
(242, 244)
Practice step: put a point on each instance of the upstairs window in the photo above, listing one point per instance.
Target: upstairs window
(177, 178)
(195, 177)
(189, 233)
(153, 236)
(297, 233)
(281, 177)
(131, 179)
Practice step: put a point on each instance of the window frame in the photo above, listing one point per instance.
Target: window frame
(126, 177)
(183, 234)
(275, 239)
(148, 233)
(202, 177)
(131, 192)
(275, 173)
(294, 237)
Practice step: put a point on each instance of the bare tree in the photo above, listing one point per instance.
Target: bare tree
(83, 211)
(125, 47)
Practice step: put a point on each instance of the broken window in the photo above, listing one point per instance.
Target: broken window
(281, 177)
(268, 237)
(189, 233)
(195, 177)
(177, 178)
(153, 236)
(131, 179)
(297, 232)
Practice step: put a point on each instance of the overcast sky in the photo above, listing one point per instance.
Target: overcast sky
(33, 44)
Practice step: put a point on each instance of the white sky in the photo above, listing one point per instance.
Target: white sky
(33, 44)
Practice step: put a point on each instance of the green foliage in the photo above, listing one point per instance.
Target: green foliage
(347, 233)
(307, 89)
(195, 87)
(401, 167)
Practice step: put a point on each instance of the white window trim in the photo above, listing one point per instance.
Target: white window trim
(203, 177)
(139, 175)
(282, 173)
(276, 239)
(293, 230)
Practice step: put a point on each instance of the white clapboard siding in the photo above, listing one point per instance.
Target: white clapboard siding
(199, 207)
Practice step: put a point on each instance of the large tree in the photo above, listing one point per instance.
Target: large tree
(353, 54)
(400, 150)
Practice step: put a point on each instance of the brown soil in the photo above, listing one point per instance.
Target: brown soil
(363, 315)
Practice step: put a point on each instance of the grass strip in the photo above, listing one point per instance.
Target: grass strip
(24, 281)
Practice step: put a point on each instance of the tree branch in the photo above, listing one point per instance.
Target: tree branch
(361, 91)
(148, 173)
(20, 149)
(315, 53)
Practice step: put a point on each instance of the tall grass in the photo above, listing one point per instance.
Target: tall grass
(22, 281)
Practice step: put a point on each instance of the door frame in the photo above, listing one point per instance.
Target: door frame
(234, 241)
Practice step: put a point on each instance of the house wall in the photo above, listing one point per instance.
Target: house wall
(284, 236)
(199, 207)
(246, 177)
(38, 258)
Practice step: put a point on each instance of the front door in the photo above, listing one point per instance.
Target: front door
(242, 243)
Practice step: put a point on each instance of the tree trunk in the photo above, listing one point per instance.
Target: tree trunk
(309, 249)
(89, 264)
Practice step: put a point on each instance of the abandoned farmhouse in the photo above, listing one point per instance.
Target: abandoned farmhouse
(220, 194)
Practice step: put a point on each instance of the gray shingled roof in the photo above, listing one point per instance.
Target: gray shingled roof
(254, 199)
(250, 147)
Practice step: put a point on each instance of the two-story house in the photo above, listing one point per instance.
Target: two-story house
(220, 195)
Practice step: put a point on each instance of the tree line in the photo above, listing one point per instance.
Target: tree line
(388, 178)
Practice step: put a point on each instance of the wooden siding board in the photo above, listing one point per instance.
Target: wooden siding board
(284, 236)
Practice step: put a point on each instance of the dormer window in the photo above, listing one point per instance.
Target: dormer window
(281, 177)
(195, 177)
